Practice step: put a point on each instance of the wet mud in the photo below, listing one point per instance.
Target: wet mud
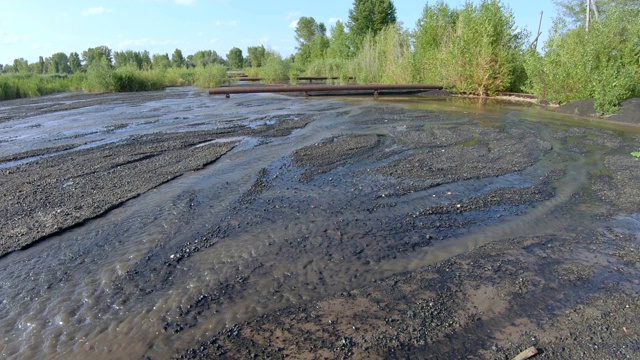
(177, 225)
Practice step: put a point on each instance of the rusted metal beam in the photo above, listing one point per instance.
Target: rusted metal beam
(252, 79)
(322, 78)
(376, 88)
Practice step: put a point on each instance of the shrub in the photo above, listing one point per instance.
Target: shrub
(211, 76)
(476, 49)
(14, 86)
(339, 68)
(384, 58)
(603, 63)
(100, 77)
(275, 70)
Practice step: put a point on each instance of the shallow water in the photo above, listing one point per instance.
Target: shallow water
(121, 286)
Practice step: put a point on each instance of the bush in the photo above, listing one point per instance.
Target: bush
(603, 63)
(14, 86)
(339, 68)
(212, 75)
(100, 77)
(384, 58)
(275, 69)
(475, 49)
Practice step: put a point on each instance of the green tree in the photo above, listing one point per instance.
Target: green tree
(338, 44)
(161, 61)
(235, 58)
(96, 54)
(59, 64)
(177, 59)
(307, 29)
(274, 68)
(433, 30)
(139, 60)
(21, 66)
(369, 16)
(255, 56)
(206, 57)
(1, 68)
(603, 64)
(74, 62)
(38, 67)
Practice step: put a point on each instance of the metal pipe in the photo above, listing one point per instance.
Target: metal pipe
(320, 88)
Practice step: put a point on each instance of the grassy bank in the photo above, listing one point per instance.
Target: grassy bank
(15, 86)
(103, 78)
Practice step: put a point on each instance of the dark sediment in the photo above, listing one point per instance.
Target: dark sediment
(572, 294)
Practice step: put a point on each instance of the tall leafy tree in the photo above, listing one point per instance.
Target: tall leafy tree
(307, 29)
(370, 16)
(59, 64)
(235, 58)
(312, 40)
(21, 66)
(95, 55)
(255, 56)
(74, 62)
(206, 57)
(177, 59)
(139, 59)
(339, 43)
(433, 30)
(161, 61)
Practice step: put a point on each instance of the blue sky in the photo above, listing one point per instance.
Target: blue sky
(30, 28)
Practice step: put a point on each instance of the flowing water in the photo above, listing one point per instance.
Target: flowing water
(197, 255)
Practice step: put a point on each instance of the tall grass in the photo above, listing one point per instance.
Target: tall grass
(384, 58)
(275, 70)
(340, 68)
(15, 86)
(211, 76)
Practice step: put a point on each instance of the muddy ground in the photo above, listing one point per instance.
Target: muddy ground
(572, 293)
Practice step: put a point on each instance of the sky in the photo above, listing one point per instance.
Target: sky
(33, 28)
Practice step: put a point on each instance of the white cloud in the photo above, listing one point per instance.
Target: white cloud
(95, 11)
(294, 24)
(7, 39)
(293, 15)
(214, 40)
(226, 23)
(334, 20)
(185, 2)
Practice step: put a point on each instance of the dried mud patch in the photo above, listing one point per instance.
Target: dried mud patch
(620, 186)
(324, 156)
(50, 194)
(493, 153)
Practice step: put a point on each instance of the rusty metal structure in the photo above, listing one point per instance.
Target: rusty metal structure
(306, 89)
(311, 79)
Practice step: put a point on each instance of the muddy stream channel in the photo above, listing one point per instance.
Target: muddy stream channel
(179, 225)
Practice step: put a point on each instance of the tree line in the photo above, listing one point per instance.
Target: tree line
(61, 63)
(475, 48)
